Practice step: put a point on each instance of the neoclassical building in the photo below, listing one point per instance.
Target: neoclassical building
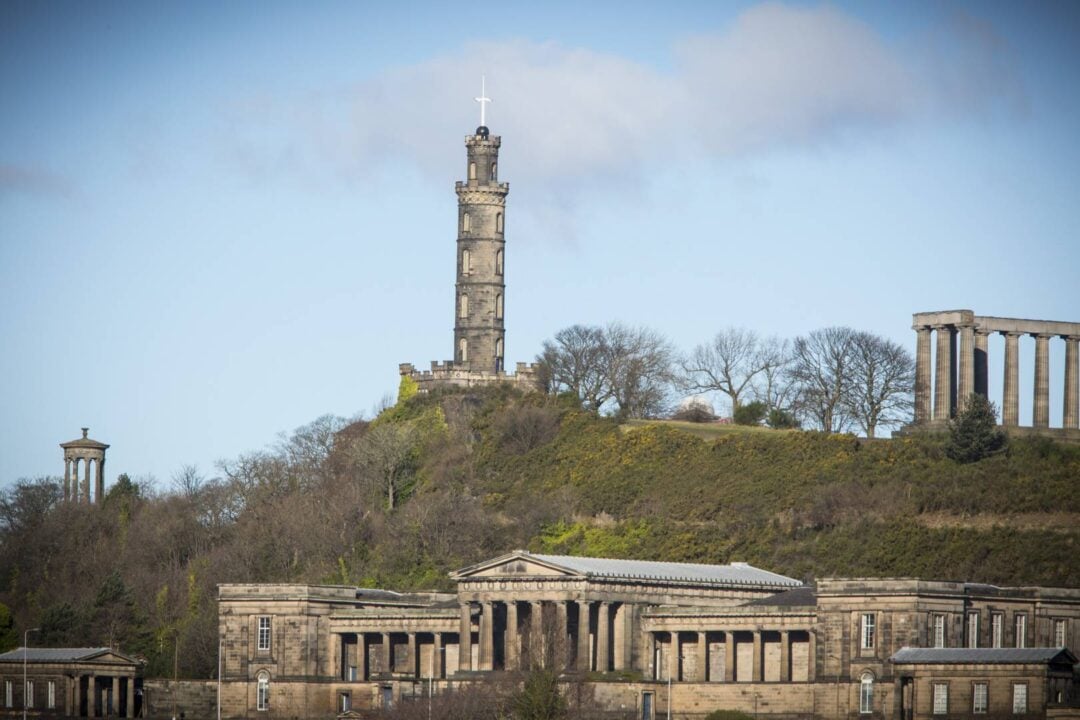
(649, 636)
(69, 682)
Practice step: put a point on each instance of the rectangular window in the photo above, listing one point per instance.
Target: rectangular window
(1060, 633)
(868, 631)
(973, 630)
(50, 698)
(997, 629)
(28, 698)
(939, 631)
(9, 694)
(941, 699)
(1019, 698)
(264, 633)
(1021, 631)
(262, 693)
(980, 698)
(345, 702)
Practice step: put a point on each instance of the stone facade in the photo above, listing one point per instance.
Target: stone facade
(645, 637)
(480, 280)
(962, 368)
(70, 682)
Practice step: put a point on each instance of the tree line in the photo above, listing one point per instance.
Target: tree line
(835, 379)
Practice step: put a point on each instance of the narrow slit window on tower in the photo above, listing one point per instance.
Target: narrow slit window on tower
(463, 350)
(498, 307)
(494, 171)
(499, 263)
(466, 222)
(466, 262)
(463, 307)
(472, 171)
(498, 222)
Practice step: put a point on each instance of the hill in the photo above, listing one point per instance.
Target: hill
(443, 480)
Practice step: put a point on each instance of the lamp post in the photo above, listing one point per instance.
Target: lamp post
(26, 640)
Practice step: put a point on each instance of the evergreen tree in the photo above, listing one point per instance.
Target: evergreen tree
(974, 434)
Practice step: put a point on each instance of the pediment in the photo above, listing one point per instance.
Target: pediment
(110, 657)
(515, 565)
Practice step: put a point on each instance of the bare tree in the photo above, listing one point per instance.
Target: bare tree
(188, 481)
(573, 361)
(774, 385)
(821, 367)
(621, 366)
(882, 378)
(638, 369)
(385, 455)
(727, 364)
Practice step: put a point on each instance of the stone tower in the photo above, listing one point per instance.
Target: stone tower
(481, 287)
(90, 454)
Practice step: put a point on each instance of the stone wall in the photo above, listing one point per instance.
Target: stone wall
(194, 699)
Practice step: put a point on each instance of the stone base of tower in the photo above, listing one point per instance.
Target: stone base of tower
(449, 374)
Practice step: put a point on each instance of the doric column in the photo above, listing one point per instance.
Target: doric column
(67, 479)
(982, 363)
(414, 657)
(1010, 402)
(114, 705)
(77, 710)
(653, 663)
(922, 374)
(562, 638)
(1071, 414)
(785, 656)
(729, 656)
(361, 657)
(583, 643)
(86, 480)
(811, 669)
(1041, 406)
(943, 381)
(129, 699)
(702, 657)
(438, 659)
(100, 491)
(537, 647)
(513, 642)
(966, 376)
(758, 657)
(465, 639)
(603, 638)
(388, 653)
(487, 635)
(91, 696)
(674, 655)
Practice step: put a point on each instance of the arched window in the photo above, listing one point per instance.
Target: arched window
(262, 694)
(466, 262)
(498, 355)
(498, 307)
(463, 307)
(466, 222)
(494, 171)
(463, 350)
(472, 171)
(499, 263)
(866, 693)
(498, 222)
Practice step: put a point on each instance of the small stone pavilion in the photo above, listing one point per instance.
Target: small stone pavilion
(70, 682)
(84, 457)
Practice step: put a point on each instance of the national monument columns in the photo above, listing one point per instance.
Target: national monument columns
(961, 366)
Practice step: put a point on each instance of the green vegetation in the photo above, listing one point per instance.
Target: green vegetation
(752, 413)
(445, 479)
(974, 435)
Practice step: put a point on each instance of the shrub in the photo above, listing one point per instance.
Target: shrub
(974, 434)
(779, 419)
(752, 413)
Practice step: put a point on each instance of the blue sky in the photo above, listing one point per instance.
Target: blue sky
(220, 221)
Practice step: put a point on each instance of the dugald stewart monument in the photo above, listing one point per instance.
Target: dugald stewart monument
(495, 546)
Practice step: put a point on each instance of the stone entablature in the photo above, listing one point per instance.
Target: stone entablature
(961, 367)
(90, 455)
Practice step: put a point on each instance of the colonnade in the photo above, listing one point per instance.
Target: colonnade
(80, 477)
(102, 696)
(732, 655)
(587, 635)
(962, 367)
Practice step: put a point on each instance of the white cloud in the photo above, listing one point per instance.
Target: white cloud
(579, 119)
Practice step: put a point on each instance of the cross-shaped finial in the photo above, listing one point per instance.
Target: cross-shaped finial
(482, 99)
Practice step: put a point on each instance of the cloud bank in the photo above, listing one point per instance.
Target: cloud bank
(778, 76)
